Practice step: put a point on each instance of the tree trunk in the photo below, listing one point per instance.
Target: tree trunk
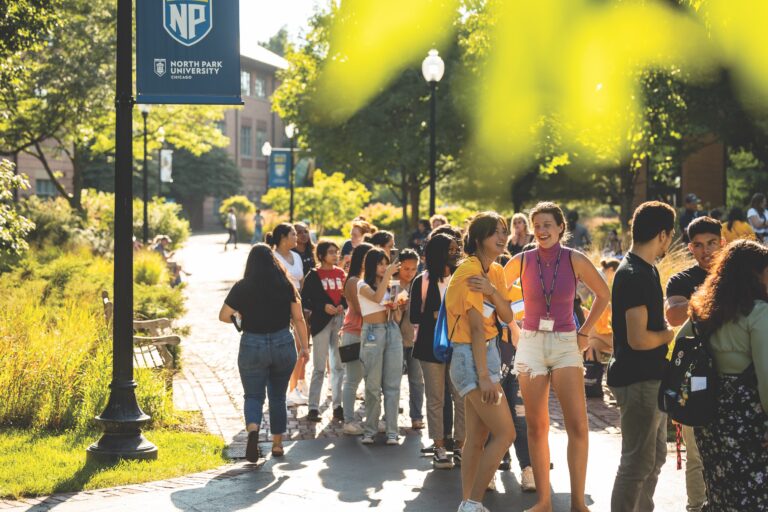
(627, 179)
(414, 193)
(77, 180)
(404, 202)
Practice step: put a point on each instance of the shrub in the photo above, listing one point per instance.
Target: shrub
(382, 215)
(244, 210)
(55, 221)
(150, 268)
(55, 347)
(158, 301)
(457, 215)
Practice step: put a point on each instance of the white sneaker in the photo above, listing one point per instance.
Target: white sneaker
(367, 439)
(472, 506)
(527, 482)
(302, 387)
(352, 429)
(440, 459)
(382, 426)
(295, 398)
(392, 440)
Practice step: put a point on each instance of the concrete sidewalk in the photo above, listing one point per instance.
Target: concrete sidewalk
(343, 475)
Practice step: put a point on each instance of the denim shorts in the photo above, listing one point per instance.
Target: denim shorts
(539, 352)
(463, 370)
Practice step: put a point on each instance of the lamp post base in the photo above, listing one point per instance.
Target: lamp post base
(122, 420)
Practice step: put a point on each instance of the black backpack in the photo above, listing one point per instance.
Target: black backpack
(688, 391)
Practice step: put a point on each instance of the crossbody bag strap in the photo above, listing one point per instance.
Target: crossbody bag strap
(522, 270)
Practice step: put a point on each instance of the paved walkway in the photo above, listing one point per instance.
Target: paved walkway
(326, 467)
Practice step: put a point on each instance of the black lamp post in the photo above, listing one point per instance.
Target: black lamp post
(122, 418)
(432, 68)
(290, 132)
(161, 133)
(144, 109)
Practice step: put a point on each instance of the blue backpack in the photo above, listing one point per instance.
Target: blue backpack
(441, 344)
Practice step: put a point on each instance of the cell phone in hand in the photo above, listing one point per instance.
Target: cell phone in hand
(395, 254)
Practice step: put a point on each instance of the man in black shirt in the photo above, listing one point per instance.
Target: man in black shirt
(640, 338)
(706, 241)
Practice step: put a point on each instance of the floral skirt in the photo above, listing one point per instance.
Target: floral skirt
(735, 461)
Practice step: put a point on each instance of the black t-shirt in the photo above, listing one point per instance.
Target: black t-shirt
(636, 284)
(307, 258)
(263, 310)
(347, 248)
(684, 283)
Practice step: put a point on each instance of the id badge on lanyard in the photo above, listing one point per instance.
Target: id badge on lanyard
(547, 323)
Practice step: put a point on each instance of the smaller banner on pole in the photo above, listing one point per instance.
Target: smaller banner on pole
(188, 52)
(278, 169)
(166, 165)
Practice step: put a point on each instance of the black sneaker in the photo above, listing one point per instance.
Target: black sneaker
(457, 457)
(252, 452)
(338, 413)
(428, 451)
(313, 415)
(506, 462)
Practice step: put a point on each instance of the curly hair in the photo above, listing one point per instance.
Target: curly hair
(732, 286)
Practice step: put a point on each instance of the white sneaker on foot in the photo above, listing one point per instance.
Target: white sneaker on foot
(296, 398)
(392, 440)
(440, 459)
(472, 506)
(527, 482)
(352, 429)
(367, 439)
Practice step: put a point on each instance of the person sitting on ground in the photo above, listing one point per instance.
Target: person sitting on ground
(266, 303)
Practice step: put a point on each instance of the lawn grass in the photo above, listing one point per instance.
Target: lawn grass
(36, 463)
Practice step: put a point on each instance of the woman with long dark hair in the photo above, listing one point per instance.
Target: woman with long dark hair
(550, 350)
(731, 310)
(476, 300)
(283, 242)
(265, 303)
(350, 335)
(382, 345)
(442, 257)
(383, 240)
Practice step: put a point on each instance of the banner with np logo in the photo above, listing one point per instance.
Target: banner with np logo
(188, 52)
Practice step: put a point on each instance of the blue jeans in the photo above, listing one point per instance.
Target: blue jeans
(511, 388)
(325, 344)
(353, 374)
(382, 356)
(266, 362)
(415, 384)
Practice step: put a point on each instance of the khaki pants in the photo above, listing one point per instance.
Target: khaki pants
(694, 473)
(435, 378)
(643, 447)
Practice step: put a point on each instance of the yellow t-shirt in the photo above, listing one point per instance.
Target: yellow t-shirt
(459, 300)
(740, 230)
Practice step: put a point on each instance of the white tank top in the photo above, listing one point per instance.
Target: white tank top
(367, 306)
(296, 271)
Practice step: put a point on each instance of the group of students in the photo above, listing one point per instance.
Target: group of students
(386, 316)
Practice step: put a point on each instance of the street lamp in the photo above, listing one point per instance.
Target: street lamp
(432, 68)
(161, 139)
(144, 109)
(290, 132)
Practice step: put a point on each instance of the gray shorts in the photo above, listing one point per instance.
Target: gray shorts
(463, 370)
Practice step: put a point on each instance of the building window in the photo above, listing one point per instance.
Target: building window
(245, 83)
(260, 88)
(261, 138)
(222, 126)
(246, 145)
(44, 188)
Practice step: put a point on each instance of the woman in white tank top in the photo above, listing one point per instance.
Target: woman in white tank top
(283, 239)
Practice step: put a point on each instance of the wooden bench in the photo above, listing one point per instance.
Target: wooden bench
(151, 339)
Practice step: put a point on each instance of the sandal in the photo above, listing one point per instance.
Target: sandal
(277, 450)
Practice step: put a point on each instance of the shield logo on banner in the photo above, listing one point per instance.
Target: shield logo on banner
(188, 21)
(160, 67)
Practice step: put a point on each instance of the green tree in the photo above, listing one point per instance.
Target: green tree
(195, 177)
(278, 43)
(13, 227)
(25, 23)
(67, 98)
(385, 142)
(329, 204)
